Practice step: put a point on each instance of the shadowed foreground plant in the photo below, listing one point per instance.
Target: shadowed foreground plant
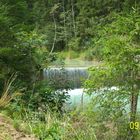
(8, 94)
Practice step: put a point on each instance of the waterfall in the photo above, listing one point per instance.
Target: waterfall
(75, 75)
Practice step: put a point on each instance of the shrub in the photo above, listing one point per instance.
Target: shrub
(89, 55)
(74, 44)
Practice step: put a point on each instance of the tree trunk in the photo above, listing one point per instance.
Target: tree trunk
(133, 113)
(54, 40)
(134, 100)
(73, 18)
(65, 30)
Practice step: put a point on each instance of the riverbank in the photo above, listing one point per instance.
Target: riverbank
(74, 63)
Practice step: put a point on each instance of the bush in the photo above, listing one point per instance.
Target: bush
(47, 97)
(73, 54)
(74, 44)
(89, 55)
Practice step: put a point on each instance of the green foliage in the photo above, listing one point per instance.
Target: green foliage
(22, 58)
(7, 38)
(106, 29)
(74, 44)
(73, 125)
(120, 68)
(89, 55)
(47, 97)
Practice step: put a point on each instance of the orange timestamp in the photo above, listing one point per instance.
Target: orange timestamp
(134, 125)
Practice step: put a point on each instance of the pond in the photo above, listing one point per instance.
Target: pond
(77, 75)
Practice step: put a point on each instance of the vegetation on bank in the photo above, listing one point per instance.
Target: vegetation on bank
(35, 34)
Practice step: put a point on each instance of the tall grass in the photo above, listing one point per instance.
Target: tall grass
(54, 126)
(8, 94)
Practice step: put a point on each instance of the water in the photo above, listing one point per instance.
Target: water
(74, 75)
(78, 97)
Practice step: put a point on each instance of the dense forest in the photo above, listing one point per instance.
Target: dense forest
(101, 35)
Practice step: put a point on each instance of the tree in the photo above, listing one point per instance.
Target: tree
(121, 64)
(18, 45)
